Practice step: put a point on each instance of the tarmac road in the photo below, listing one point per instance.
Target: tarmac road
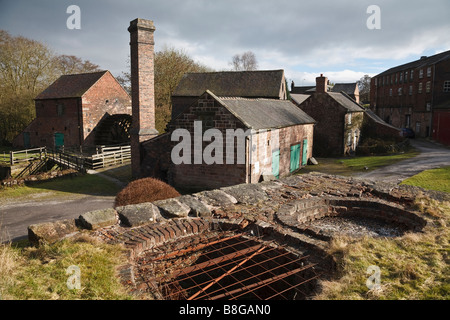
(16, 217)
(432, 156)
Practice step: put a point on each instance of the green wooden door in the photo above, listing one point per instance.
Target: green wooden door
(295, 157)
(26, 140)
(305, 152)
(276, 163)
(59, 140)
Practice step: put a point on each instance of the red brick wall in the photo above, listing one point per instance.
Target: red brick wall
(105, 98)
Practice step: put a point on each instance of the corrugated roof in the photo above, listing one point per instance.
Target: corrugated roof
(71, 86)
(265, 113)
(251, 84)
(345, 101)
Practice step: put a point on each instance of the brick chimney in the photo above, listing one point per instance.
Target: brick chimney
(321, 84)
(142, 88)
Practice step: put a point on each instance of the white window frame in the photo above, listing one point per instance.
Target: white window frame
(447, 86)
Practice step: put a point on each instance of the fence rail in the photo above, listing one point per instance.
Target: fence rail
(109, 156)
(16, 157)
(104, 157)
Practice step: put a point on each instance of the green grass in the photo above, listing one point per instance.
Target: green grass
(349, 166)
(436, 179)
(415, 266)
(375, 162)
(41, 273)
(85, 184)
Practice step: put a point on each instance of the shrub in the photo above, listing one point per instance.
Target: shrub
(145, 190)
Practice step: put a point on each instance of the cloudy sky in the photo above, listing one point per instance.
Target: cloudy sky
(305, 38)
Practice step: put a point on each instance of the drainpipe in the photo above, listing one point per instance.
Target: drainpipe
(80, 127)
(248, 158)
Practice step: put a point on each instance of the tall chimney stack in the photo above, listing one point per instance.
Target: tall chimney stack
(142, 88)
(321, 84)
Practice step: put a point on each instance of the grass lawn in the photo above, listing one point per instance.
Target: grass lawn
(85, 184)
(435, 179)
(349, 166)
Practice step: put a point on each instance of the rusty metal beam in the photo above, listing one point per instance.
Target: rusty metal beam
(226, 274)
(260, 284)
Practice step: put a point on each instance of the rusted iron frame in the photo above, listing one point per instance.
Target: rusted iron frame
(218, 266)
(227, 273)
(212, 261)
(283, 266)
(270, 271)
(298, 284)
(261, 284)
(198, 247)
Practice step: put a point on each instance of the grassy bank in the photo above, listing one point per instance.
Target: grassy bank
(41, 273)
(436, 179)
(415, 266)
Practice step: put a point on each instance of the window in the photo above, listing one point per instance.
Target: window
(429, 72)
(406, 76)
(421, 74)
(428, 86)
(410, 90)
(412, 75)
(400, 91)
(420, 87)
(447, 86)
(401, 77)
(428, 106)
(396, 78)
(390, 92)
(60, 109)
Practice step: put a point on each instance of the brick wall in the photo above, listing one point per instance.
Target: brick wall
(105, 98)
(329, 130)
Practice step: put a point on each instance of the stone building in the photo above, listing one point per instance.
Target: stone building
(79, 110)
(273, 136)
(416, 95)
(339, 119)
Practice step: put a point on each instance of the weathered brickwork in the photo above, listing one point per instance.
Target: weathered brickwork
(410, 95)
(75, 118)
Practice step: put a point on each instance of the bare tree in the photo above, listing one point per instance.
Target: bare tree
(26, 68)
(244, 62)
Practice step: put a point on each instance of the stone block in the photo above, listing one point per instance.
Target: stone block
(198, 208)
(173, 208)
(247, 193)
(51, 232)
(217, 198)
(139, 214)
(98, 219)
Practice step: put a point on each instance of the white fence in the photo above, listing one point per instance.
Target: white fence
(109, 156)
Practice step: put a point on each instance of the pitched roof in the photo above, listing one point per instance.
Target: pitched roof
(348, 88)
(71, 86)
(264, 113)
(345, 101)
(250, 84)
(299, 98)
(424, 61)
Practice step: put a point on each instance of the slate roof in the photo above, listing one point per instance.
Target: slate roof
(299, 98)
(250, 84)
(348, 88)
(71, 86)
(265, 113)
(418, 63)
(345, 101)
